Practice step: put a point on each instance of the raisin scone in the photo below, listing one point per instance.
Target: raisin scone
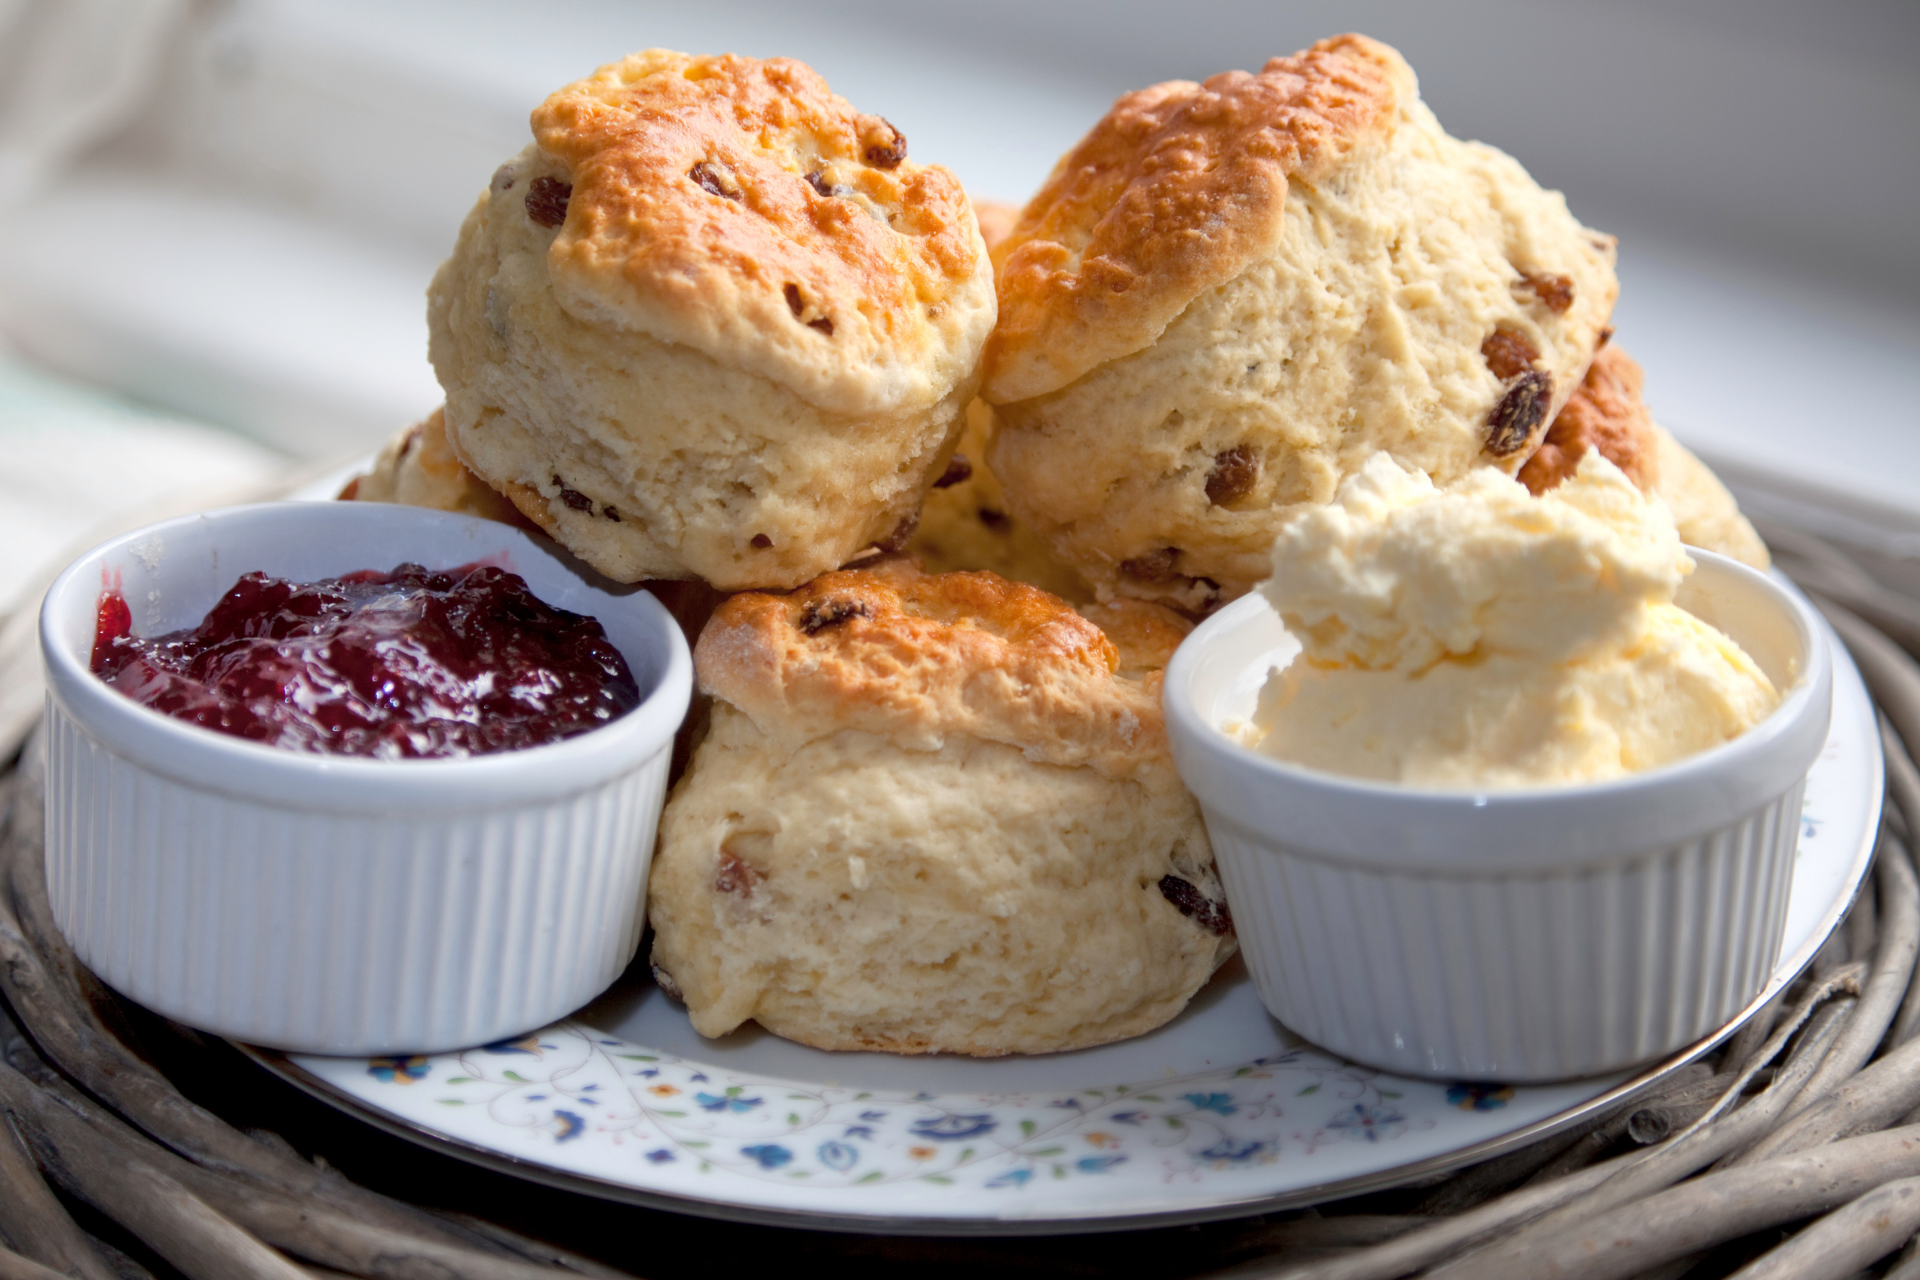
(1229, 295)
(1607, 413)
(418, 468)
(712, 323)
(1704, 511)
(934, 813)
(965, 523)
(996, 219)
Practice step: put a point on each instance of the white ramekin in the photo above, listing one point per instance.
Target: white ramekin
(1509, 935)
(333, 904)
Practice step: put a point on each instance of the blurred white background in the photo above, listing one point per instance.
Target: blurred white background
(228, 211)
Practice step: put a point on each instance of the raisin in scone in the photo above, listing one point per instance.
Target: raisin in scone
(934, 813)
(1607, 413)
(418, 468)
(712, 323)
(966, 524)
(1229, 295)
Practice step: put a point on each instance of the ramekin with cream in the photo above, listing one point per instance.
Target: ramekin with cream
(1521, 799)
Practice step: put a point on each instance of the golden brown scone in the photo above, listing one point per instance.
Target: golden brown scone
(915, 657)
(1607, 413)
(996, 219)
(966, 524)
(712, 323)
(417, 468)
(934, 814)
(1143, 635)
(1229, 295)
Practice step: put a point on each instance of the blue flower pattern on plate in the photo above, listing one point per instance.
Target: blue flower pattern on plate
(838, 1156)
(1362, 1123)
(1236, 1151)
(399, 1070)
(768, 1155)
(728, 1101)
(675, 1112)
(952, 1127)
(1479, 1097)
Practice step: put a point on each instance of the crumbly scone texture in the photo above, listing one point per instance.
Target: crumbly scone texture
(946, 823)
(712, 324)
(1608, 413)
(1369, 283)
(965, 522)
(418, 468)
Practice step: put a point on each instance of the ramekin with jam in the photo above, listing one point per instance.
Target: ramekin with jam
(456, 847)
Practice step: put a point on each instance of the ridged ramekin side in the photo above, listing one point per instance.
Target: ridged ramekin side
(342, 932)
(1603, 966)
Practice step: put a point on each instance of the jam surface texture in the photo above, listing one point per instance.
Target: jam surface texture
(390, 665)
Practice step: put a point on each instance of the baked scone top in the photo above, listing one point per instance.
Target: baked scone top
(1606, 413)
(914, 657)
(1177, 189)
(739, 207)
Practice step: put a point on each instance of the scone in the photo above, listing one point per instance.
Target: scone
(1607, 413)
(966, 524)
(996, 219)
(418, 468)
(712, 323)
(934, 814)
(1706, 514)
(1229, 295)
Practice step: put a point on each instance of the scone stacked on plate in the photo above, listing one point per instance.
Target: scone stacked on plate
(418, 468)
(712, 323)
(966, 523)
(1245, 285)
(1229, 295)
(934, 813)
(1606, 413)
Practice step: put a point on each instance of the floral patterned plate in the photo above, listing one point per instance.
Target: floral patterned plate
(1219, 1113)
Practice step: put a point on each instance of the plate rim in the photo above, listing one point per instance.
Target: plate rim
(1079, 1223)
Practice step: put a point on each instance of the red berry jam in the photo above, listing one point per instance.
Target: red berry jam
(391, 665)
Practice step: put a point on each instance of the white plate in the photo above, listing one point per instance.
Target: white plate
(1217, 1114)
